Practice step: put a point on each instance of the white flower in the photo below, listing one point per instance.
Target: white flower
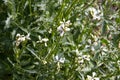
(41, 40)
(86, 57)
(96, 13)
(21, 38)
(93, 77)
(50, 30)
(64, 27)
(44, 39)
(59, 59)
(83, 58)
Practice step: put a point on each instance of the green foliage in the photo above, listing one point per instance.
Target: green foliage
(59, 40)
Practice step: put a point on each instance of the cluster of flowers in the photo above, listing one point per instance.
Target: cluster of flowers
(61, 29)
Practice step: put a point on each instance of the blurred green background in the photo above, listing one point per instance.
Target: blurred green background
(32, 48)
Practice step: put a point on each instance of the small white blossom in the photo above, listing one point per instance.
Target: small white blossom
(81, 57)
(45, 39)
(41, 40)
(86, 57)
(59, 59)
(50, 30)
(92, 77)
(96, 13)
(21, 38)
(64, 27)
